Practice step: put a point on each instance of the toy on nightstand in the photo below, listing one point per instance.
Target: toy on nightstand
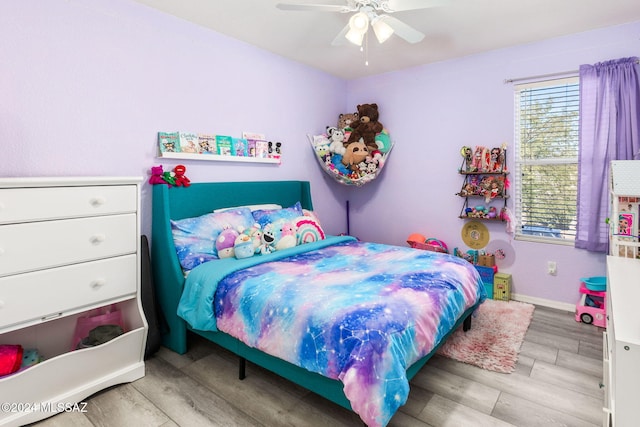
(592, 309)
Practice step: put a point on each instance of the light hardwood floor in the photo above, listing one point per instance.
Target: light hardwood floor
(556, 383)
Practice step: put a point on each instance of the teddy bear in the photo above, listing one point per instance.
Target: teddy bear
(345, 120)
(156, 176)
(179, 177)
(367, 126)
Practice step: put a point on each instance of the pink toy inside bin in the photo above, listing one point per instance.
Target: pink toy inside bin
(434, 245)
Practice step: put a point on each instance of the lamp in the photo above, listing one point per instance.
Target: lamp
(358, 26)
(381, 29)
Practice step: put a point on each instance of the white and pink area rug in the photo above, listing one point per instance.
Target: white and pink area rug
(493, 342)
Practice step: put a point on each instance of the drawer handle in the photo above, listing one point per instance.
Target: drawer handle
(96, 239)
(98, 283)
(98, 201)
(1, 303)
(1, 251)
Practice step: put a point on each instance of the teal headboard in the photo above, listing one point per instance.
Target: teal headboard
(199, 199)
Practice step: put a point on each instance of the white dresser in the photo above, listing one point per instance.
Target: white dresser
(622, 343)
(68, 246)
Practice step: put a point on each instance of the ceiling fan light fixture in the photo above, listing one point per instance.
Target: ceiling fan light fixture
(358, 26)
(381, 29)
(359, 22)
(355, 37)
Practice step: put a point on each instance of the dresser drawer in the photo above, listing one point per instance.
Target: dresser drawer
(35, 204)
(38, 245)
(48, 293)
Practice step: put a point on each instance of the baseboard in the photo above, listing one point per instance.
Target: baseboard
(544, 302)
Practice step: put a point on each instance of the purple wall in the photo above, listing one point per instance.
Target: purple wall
(86, 86)
(433, 110)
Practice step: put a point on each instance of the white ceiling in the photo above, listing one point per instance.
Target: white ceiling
(457, 28)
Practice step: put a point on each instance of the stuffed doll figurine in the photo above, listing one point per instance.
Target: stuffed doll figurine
(180, 178)
(156, 175)
(169, 177)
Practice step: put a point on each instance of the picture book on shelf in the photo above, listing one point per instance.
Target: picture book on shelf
(169, 142)
(253, 135)
(207, 144)
(224, 144)
(188, 142)
(262, 149)
(240, 147)
(251, 147)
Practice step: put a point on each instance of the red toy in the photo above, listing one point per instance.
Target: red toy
(180, 178)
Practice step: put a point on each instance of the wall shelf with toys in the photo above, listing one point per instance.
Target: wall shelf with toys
(250, 148)
(219, 158)
(485, 176)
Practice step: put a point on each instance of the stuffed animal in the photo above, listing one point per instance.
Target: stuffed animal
(156, 176)
(383, 141)
(255, 232)
(367, 126)
(345, 120)
(180, 179)
(225, 241)
(243, 245)
(321, 145)
(355, 153)
(288, 237)
(267, 244)
(169, 177)
(336, 136)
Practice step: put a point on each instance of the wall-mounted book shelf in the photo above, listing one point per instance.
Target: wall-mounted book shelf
(219, 158)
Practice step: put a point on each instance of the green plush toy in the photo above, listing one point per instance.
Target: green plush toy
(383, 141)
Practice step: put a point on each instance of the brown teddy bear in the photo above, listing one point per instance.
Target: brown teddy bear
(367, 127)
(345, 120)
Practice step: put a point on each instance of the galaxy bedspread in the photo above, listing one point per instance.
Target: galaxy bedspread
(354, 311)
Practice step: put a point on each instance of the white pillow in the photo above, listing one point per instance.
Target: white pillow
(265, 206)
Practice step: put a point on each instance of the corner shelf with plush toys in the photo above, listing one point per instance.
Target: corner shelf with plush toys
(485, 176)
(355, 151)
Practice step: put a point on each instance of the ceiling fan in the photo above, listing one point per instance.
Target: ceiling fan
(372, 13)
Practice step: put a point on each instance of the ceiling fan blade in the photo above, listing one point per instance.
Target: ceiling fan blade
(315, 7)
(403, 30)
(400, 5)
(340, 38)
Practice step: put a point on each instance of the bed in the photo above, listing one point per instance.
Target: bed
(356, 365)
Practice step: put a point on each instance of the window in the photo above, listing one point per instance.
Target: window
(546, 160)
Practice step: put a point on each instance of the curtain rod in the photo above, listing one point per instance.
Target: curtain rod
(542, 76)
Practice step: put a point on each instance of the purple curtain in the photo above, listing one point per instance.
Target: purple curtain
(609, 130)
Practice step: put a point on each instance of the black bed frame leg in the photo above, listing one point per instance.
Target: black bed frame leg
(466, 325)
(242, 364)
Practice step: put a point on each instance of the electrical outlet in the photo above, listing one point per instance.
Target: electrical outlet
(552, 268)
